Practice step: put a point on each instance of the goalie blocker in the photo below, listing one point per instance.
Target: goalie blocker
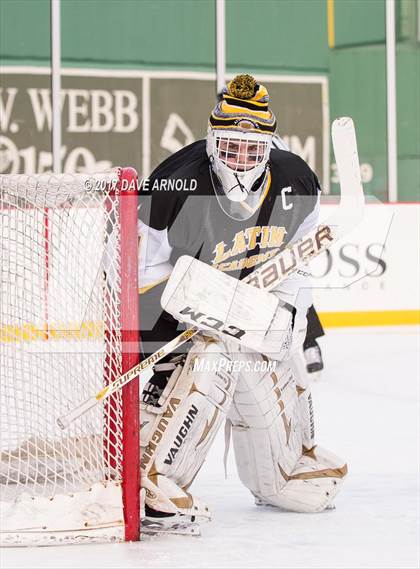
(266, 322)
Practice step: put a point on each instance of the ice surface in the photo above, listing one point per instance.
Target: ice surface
(367, 411)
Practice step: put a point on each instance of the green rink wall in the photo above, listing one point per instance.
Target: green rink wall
(167, 34)
(358, 88)
(268, 37)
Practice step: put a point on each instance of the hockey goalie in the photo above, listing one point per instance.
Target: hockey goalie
(239, 203)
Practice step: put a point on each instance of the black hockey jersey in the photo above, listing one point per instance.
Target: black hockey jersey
(192, 222)
(180, 214)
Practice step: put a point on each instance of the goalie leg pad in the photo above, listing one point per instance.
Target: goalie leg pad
(265, 428)
(177, 435)
(270, 429)
(313, 483)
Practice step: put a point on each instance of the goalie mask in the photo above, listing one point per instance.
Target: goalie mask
(239, 139)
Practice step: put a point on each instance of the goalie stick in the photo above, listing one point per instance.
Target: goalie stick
(277, 269)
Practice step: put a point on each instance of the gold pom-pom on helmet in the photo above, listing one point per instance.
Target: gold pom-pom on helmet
(242, 87)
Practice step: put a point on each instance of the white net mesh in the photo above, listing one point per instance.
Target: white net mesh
(60, 337)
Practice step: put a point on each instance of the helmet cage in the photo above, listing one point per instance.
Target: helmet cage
(238, 159)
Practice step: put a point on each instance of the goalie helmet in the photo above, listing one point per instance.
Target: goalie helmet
(239, 137)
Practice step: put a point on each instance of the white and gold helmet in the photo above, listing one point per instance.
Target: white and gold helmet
(239, 137)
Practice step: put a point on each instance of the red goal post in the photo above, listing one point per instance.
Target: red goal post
(130, 340)
(69, 324)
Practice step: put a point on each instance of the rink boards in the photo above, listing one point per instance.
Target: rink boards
(371, 277)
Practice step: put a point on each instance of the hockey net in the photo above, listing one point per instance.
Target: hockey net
(68, 327)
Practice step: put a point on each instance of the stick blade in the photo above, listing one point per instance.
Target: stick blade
(347, 159)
